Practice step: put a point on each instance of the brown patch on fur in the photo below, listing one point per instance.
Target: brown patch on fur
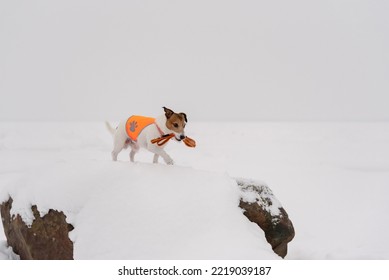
(184, 115)
(127, 143)
(176, 123)
(168, 112)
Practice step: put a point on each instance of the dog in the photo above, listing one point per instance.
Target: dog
(137, 132)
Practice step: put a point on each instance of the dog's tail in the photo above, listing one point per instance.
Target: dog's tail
(110, 128)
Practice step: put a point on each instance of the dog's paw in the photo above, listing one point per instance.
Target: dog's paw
(169, 161)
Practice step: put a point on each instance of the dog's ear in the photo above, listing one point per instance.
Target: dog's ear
(168, 112)
(184, 115)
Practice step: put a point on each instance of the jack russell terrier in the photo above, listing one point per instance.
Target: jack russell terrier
(138, 131)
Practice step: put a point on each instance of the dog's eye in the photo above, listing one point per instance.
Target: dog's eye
(175, 125)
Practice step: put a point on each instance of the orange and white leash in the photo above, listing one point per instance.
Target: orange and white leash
(165, 138)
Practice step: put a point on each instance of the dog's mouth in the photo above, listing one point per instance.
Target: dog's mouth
(179, 138)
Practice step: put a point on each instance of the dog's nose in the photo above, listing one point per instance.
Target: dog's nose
(182, 137)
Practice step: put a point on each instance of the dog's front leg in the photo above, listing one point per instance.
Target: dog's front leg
(155, 159)
(159, 152)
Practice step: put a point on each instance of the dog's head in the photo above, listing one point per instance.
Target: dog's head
(176, 123)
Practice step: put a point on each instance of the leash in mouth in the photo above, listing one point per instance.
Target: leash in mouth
(165, 138)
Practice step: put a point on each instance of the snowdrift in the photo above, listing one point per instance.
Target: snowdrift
(122, 210)
(332, 178)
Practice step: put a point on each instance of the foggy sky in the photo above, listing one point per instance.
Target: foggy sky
(215, 60)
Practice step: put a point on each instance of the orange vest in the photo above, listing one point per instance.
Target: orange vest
(135, 125)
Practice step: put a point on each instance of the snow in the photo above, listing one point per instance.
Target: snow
(142, 211)
(331, 178)
(6, 252)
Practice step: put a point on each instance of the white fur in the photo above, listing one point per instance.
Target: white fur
(122, 141)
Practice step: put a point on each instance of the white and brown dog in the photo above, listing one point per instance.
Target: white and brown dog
(138, 131)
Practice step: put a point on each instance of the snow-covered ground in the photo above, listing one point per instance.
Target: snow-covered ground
(332, 179)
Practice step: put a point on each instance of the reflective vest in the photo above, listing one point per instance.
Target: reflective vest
(135, 125)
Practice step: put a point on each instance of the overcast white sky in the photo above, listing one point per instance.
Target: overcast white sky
(214, 60)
